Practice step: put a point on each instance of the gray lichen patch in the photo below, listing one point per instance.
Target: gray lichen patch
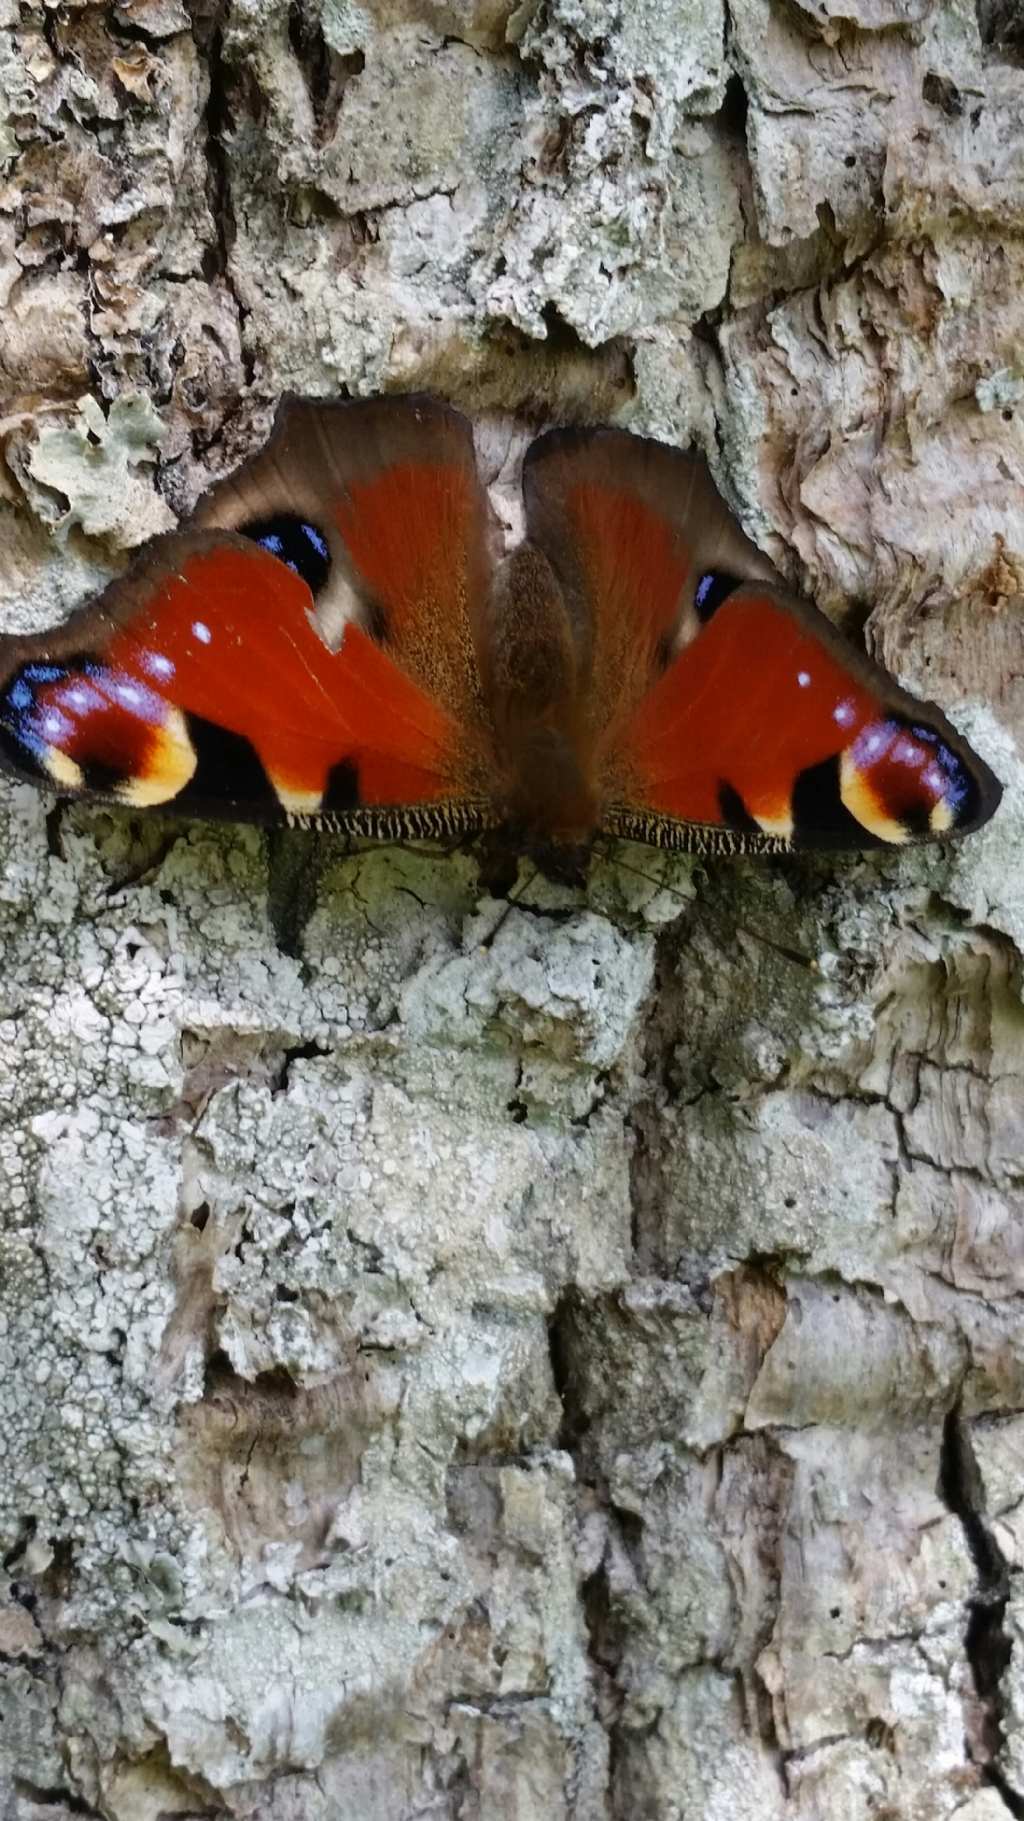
(269, 1225)
(297, 1296)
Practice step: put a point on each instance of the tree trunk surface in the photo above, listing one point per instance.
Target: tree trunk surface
(579, 1375)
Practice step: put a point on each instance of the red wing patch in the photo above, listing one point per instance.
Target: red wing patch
(761, 726)
(629, 527)
(407, 531)
(635, 565)
(379, 505)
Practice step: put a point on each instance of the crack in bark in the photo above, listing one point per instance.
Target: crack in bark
(602, 1649)
(1001, 26)
(217, 258)
(295, 862)
(53, 1797)
(326, 72)
(986, 1641)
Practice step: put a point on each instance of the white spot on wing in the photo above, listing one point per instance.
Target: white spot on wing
(803, 677)
(843, 713)
(202, 631)
(908, 752)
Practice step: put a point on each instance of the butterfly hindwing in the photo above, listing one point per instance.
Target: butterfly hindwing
(732, 715)
(769, 728)
(629, 527)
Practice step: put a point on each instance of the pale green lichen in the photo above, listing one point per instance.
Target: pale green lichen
(91, 462)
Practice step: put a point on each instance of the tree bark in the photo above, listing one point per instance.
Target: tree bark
(581, 1374)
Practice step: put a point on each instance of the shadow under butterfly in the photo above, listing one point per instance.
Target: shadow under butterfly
(336, 642)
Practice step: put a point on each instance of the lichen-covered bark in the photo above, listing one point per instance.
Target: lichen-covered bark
(563, 1363)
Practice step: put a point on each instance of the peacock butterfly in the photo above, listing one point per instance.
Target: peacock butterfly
(337, 640)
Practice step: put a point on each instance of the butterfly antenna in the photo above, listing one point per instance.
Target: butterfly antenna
(795, 955)
(649, 879)
(512, 895)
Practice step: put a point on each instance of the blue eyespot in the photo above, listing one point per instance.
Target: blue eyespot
(710, 592)
(294, 541)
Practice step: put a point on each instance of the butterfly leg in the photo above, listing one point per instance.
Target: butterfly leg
(55, 819)
(295, 863)
(515, 892)
(498, 862)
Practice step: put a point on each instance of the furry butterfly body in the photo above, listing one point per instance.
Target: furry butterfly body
(338, 639)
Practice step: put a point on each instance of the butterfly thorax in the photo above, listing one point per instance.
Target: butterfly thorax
(534, 666)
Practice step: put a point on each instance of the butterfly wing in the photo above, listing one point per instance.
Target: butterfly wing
(389, 489)
(307, 652)
(728, 714)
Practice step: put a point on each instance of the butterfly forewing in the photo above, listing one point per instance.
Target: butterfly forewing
(201, 681)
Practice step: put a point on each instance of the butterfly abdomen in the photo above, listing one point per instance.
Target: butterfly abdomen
(537, 678)
(549, 799)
